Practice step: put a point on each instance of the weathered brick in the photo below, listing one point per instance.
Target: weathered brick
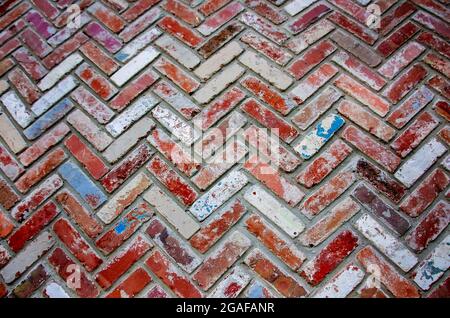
(398, 89)
(132, 285)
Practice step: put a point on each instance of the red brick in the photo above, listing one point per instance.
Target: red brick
(218, 40)
(323, 165)
(285, 284)
(219, 108)
(6, 65)
(311, 58)
(4, 257)
(438, 63)
(380, 180)
(32, 226)
(111, 20)
(64, 50)
(433, 23)
(87, 158)
(12, 15)
(430, 227)
(308, 17)
(181, 32)
(352, 27)
(398, 89)
(217, 227)
(9, 165)
(272, 51)
(267, 29)
(353, 9)
(99, 58)
(138, 8)
(396, 39)
(24, 85)
(30, 64)
(266, 11)
(66, 268)
(6, 226)
(210, 6)
(182, 12)
(178, 76)
(137, 26)
(318, 232)
(371, 148)
(172, 181)
(441, 291)
(272, 239)
(124, 169)
(79, 214)
(35, 43)
(441, 85)
(329, 258)
(268, 119)
(132, 285)
(327, 193)
(272, 179)
(362, 94)
(40, 170)
(434, 42)
(157, 292)
(3, 290)
(124, 228)
(47, 8)
(76, 245)
(8, 47)
(425, 193)
(394, 282)
(122, 262)
(268, 95)
(8, 196)
(35, 279)
(222, 258)
(167, 272)
(222, 16)
(415, 134)
(395, 16)
(100, 85)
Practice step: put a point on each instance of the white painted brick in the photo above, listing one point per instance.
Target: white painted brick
(131, 114)
(59, 71)
(10, 134)
(267, 70)
(17, 109)
(342, 284)
(178, 51)
(53, 290)
(113, 207)
(134, 66)
(25, 258)
(141, 41)
(218, 60)
(219, 83)
(237, 277)
(434, 266)
(298, 5)
(386, 243)
(420, 162)
(172, 212)
(86, 127)
(274, 210)
(127, 140)
(54, 95)
(218, 194)
(177, 126)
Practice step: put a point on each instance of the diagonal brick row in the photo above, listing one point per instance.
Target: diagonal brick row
(224, 148)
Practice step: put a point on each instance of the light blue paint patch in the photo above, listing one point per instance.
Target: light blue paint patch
(121, 227)
(318, 137)
(121, 56)
(82, 184)
(256, 291)
(48, 119)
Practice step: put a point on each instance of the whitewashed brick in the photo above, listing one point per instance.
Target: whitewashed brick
(141, 41)
(219, 83)
(134, 66)
(434, 266)
(178, 51)
(420, 162)
(177, 126)
(386, 243)
(53, 290)
(10, 134)
(267, 70)
(298, 5)
(274, 210)
(86, 127)
(25, 258)
(59, 71)
(218, 194)
(17, 109)
(342, 284)
(54, 95)
(237, 277)
(218, 60)
(127, 140)
(131, 114)
(183, 223)
(118, 202)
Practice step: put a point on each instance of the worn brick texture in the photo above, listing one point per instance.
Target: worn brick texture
(116, 117)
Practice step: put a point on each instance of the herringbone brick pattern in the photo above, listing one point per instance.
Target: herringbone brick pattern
(102, 105)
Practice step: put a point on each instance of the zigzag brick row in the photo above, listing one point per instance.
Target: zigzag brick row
(224, 148)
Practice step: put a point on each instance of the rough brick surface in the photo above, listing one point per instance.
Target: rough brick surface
(224, 148)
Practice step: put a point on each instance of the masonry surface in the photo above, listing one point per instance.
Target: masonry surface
(102, 104)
